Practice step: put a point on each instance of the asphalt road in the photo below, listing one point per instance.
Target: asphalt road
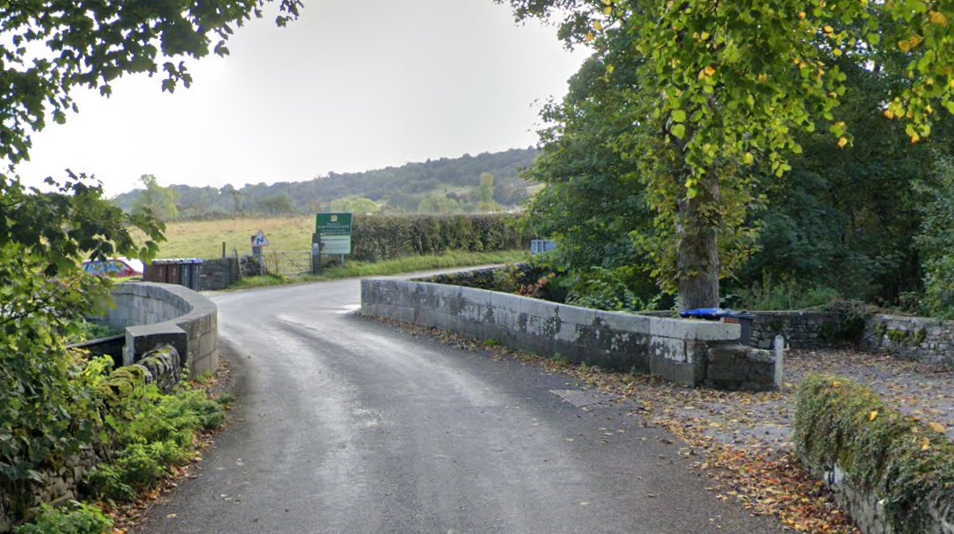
(344, 425)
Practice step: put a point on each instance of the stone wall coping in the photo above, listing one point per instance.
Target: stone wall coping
(912, 319)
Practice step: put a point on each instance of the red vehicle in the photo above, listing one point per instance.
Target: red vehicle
(114, 267)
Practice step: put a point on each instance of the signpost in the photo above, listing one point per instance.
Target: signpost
(332, 236)
(258, 241)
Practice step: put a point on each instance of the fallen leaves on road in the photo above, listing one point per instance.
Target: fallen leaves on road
(743, 440)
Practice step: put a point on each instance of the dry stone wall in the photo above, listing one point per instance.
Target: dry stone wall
(801, 329)
(60, 485)
(914, 338)
(218, 274)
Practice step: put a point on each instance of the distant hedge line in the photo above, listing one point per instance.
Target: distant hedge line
(386, 237)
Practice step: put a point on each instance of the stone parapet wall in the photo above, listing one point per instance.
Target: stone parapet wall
(915, 338)
(675, 349)
(159, 314)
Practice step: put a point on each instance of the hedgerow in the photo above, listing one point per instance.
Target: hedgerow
(386, 237)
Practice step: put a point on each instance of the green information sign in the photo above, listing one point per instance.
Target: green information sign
(334, 231)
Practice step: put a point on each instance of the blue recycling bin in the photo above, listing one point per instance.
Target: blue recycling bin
(718, 314)
(189, 272)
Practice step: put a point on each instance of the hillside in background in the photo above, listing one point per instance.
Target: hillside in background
(447, 185)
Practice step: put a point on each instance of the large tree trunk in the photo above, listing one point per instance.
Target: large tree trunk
(697, 253)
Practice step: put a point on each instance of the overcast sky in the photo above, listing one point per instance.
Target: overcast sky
(350, 86)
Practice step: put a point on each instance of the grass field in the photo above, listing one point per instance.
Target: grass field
(203, 239)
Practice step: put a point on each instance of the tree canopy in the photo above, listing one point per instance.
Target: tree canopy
(724, 89)
(57, 45)
(51, 47)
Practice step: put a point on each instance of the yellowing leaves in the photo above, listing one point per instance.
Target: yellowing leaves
(748, 158)
(937, 427)
(925, 444)
(707, 72)
(888, 114)
(590, 37)
(842, 143)
(938, 18)
(598, 26)
(874, 414)
(910, 43)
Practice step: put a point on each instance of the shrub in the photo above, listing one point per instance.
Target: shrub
(602, 289)
(380, 237)
(76, 519)
(936, 243)
(106, 482)
(938, 298)
(782, 295)
(908, 466)
(153, 431)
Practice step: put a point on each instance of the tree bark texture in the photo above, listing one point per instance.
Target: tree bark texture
(697, 254)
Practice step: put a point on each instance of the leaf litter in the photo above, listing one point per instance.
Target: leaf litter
(741, 441)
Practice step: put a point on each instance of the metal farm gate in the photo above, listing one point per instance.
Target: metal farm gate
(287, 263)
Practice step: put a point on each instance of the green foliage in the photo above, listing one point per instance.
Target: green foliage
(388, 267)
(62, 226)
(379, 238)
(595, 204)
(910, 466)
(48, 408)
(939, 288)
(722, 90)
(604, 289)
(74, 519)
(93, 43)
(152, 432)
(107, 483)
(845, 218)
(511, 277)
(936, 243)
(437, 204)
(394, 189)
(49, 402)
(357, 205)
(486, 192)
(87, 330)
(770, 294)
(275, 205)
(158, 201)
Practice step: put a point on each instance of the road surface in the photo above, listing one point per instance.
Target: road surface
(344, 425)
